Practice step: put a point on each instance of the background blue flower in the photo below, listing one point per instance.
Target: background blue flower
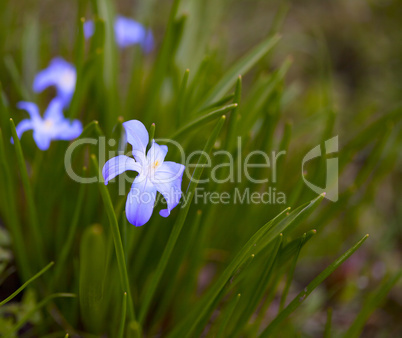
(128, 32)
(53, 125)
(60, 74)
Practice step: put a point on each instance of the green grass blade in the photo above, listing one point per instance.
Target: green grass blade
(260, 287)
(290, 274)
(181, 100)
(30, 49)
(33, 216)
(240, 68)
(83, 76)
(23, 286)
(41, 304)
(120, 332)
(233, 118)
(372, 302)
(203, 120)
(123, 231)
(279, 18)
(151, 133)
(290, 249)
(217, 104)
(13, 220)
(164, 59)
(227, 316)
(254, 245)
(303, 294)
(114, 226)
(110, 67)
(179, 222)
(90, 129)
(284, 146)
(80, 47)
(259, 98)
(22, 90)
(93, 261)
(203, 306)
(242, 256)
(181, 253)
(327, 330)
(92, 126)
(62, 259)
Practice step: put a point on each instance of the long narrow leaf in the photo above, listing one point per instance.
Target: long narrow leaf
(29, 281)
(41, 304)
(227, 316)
(371, 303)
(260, 287)
(290, 273)
(120, 332)
(240, 68)
(255, 244)
(65, 251)
(33, 216)
(298, 300)
(203, 120)
(114, 226)
(13, 219)
(327, 331)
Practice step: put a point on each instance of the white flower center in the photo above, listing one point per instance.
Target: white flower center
(155, 164)
(48, 124)
(68, 79)
(151, 168)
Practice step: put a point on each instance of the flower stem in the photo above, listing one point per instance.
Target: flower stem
(118, 245)
(33, 216)
(178, 224)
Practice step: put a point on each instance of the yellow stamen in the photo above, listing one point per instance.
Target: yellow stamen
(48, 123)
(155, 164)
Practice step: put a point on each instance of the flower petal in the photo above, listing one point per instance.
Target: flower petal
(167, 181)
(117, 165)
(42, 139)
(140, 201)
(31, 108)
(128, 32)
(148, 42)
(67, 130)
(89, 29)
(44, 79)
(54, 110)
(23, 126)
(137, 136)
(156, 154)
(61, 74)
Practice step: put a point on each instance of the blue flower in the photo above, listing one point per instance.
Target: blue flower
(154, 174)
(127, 33)
(60, 74)
(53, 125)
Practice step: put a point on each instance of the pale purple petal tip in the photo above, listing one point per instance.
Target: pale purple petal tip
(137, 135)
(42, 140)
(140, 201)
(117, 165)
(164, 212)
(168, 180)
(60, 74)
(31, 108)
(89, 29)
